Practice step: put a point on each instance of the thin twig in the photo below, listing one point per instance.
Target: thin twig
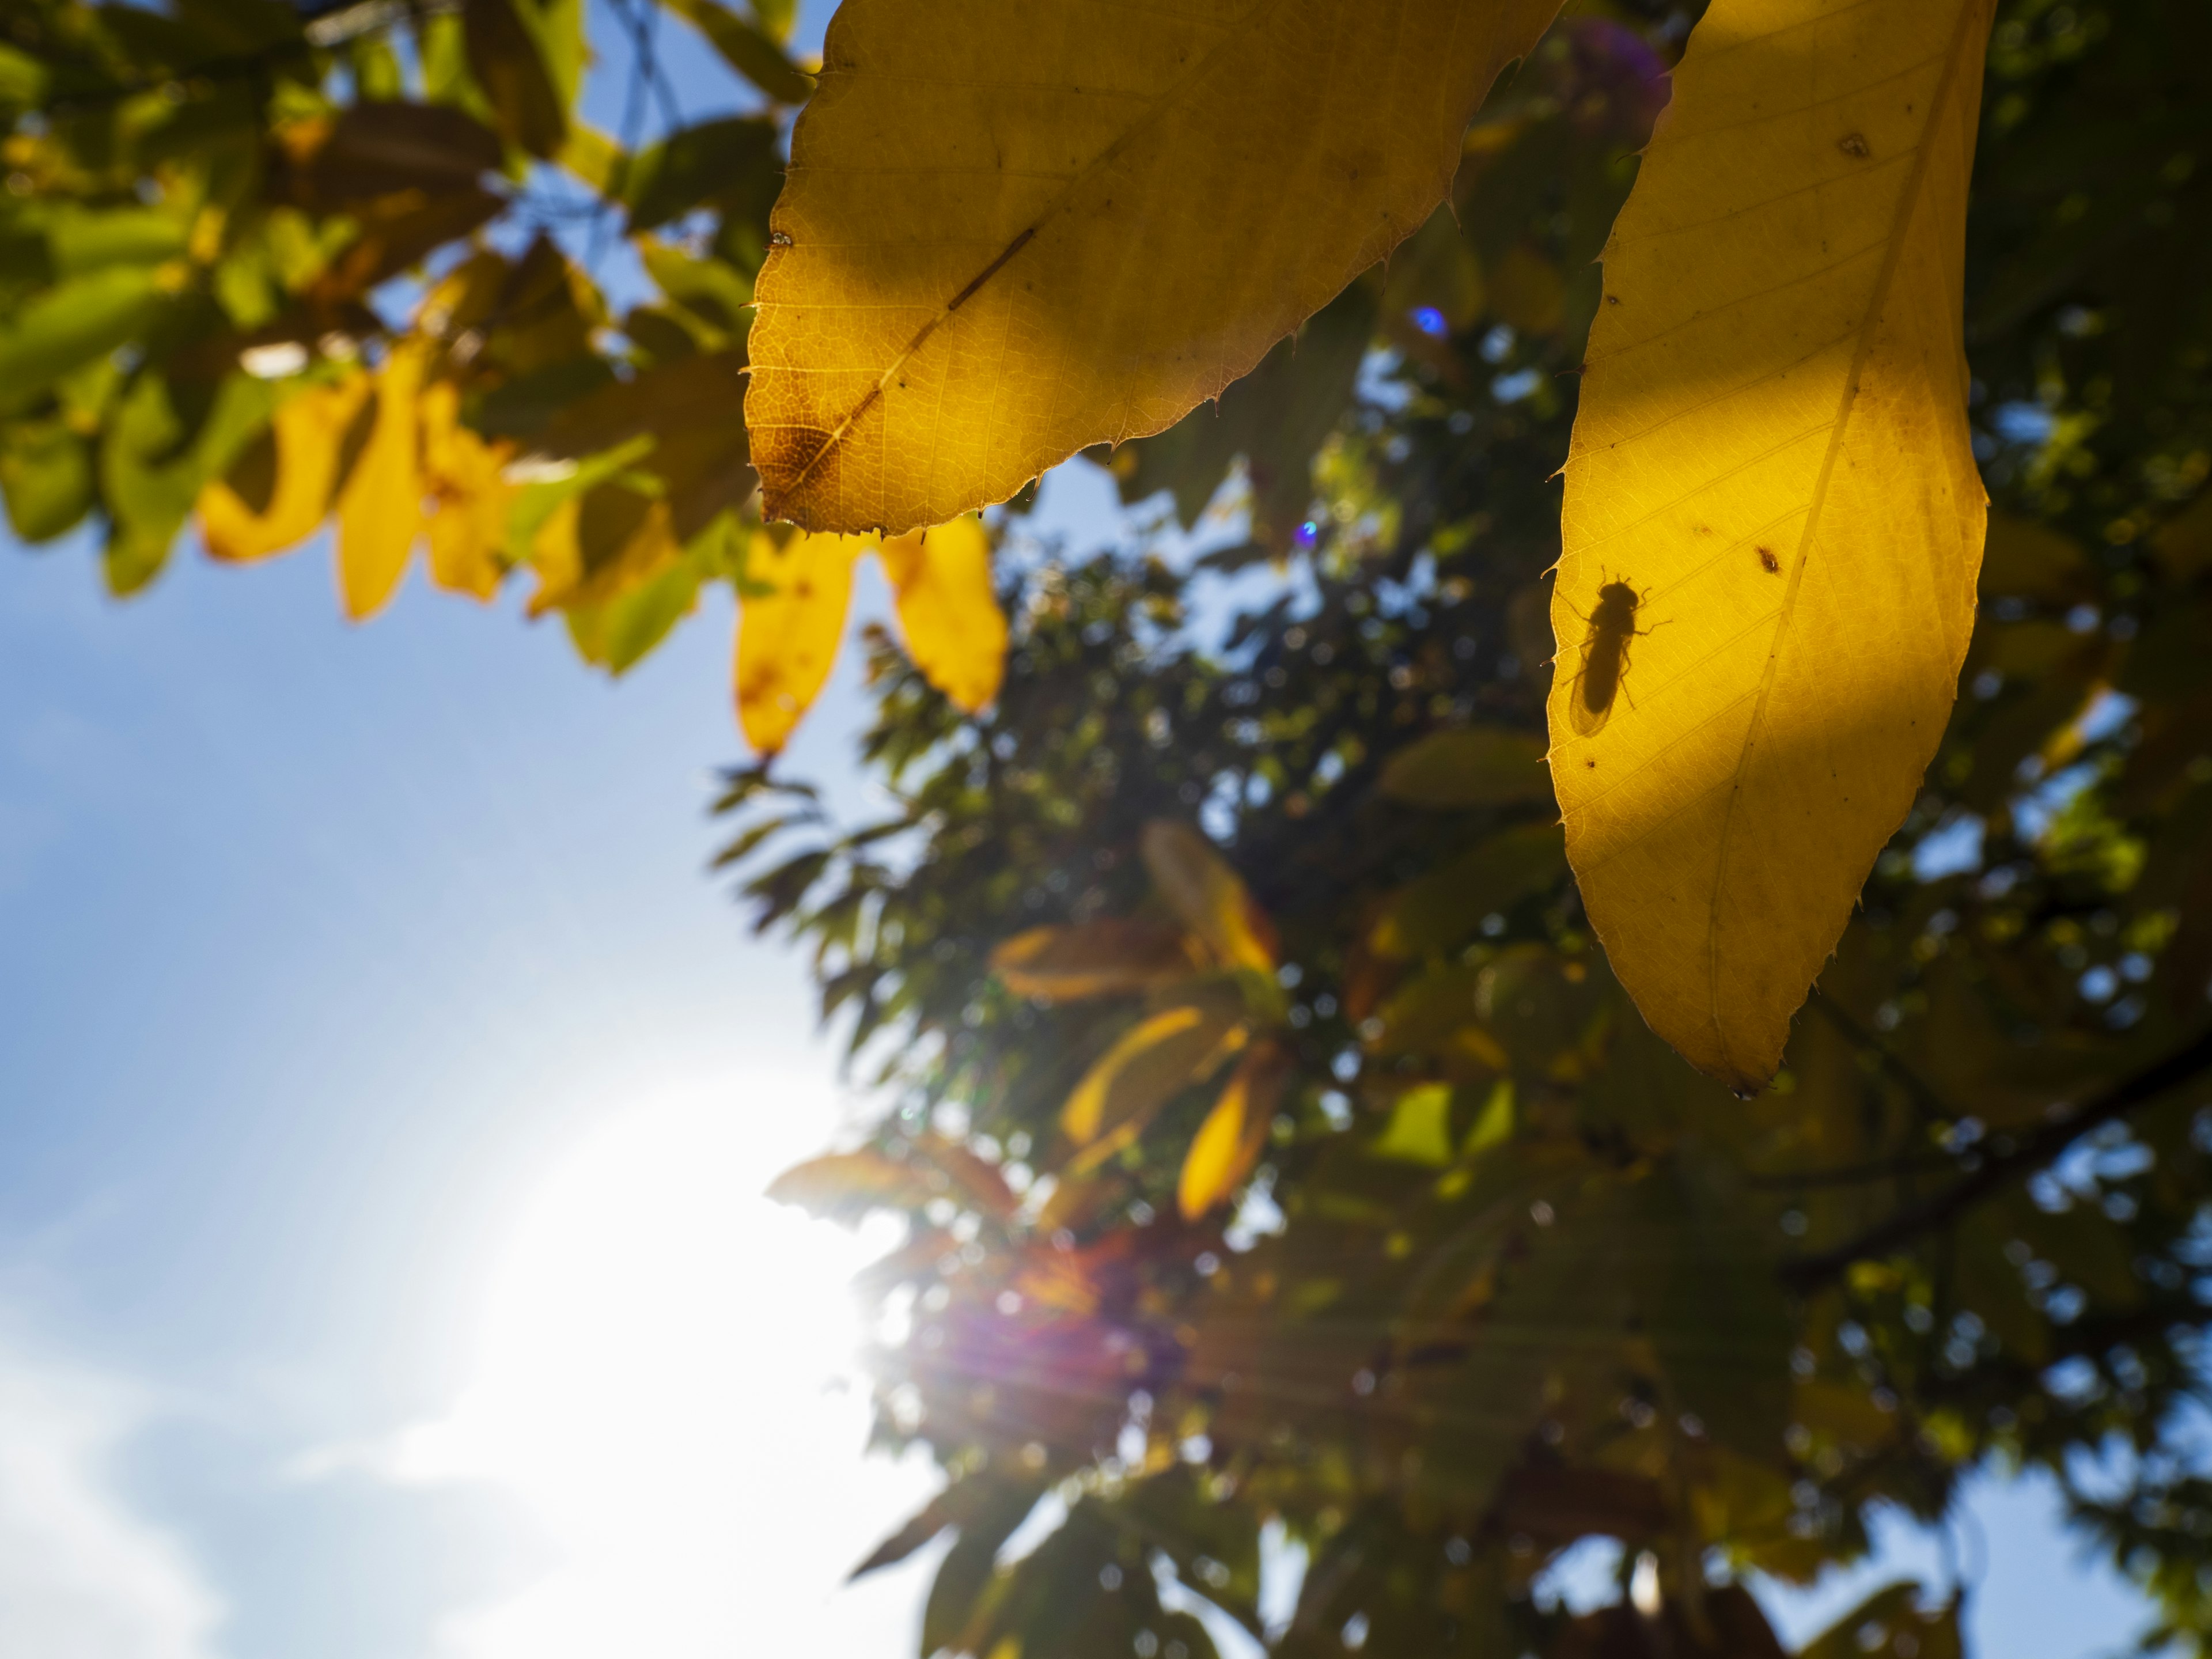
(1847, 1175)
(1905, 1077)
(1811, 1272)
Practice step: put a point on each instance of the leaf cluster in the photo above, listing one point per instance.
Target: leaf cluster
(268, 267)
(1502, 1274)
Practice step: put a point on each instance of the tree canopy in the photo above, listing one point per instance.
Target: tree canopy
(1284, 1113)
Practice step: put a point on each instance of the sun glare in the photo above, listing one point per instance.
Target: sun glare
(666, 1383)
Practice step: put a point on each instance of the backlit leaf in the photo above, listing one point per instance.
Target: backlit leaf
(747, 48)
(1443, 907)
(379, 509)
(508, 50)
(1419, 1129)
(955, 632)
(788, 632)
(1229, 1143)
(302, 455)
(1149, 1063)
(1001, 243)
(732, 158)
(845, 1186)
(45, 472)
(1107, 958)
(1772, 521)
(1202, 889)
(73, 324)
(468, 498)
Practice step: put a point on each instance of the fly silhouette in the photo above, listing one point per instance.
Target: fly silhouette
(1605, 657)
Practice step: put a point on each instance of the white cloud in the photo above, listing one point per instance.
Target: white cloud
(81, 1576)
(650, 1386)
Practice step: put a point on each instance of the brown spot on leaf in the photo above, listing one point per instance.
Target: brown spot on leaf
(1772, 564)
(1854, 144)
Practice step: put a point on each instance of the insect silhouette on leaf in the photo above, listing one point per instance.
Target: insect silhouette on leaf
(1605, 657)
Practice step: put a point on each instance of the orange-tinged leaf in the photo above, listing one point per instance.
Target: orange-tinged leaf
(1004, 238)
(1772, 521)
(955, 631)
(1235, 1133)
(1154, 1059)
(1202, 889)
(845, 1186)
(308, 433)
(468, 498)
(380, 504)
(1108, 957)
(788, 636)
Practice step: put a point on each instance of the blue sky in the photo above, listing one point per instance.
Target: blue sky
(386, 1092)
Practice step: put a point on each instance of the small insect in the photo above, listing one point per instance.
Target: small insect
(1773, 565)
(1605, 657)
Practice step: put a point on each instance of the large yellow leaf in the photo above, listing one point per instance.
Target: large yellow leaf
(306, 434)
(955, 631)
(1772, 521)
(787, 634)
(1009, 232)
(469, 496)
(380, 506)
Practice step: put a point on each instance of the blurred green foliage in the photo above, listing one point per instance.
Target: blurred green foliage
(210, 208)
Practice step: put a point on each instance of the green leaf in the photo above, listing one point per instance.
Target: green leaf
(1275, 418)
(72, 324)
(747, 48)
(154, 458)
(85, 241)
(1468, 766)
(1420, 1130)
(517, 55)
(707, 290)
(22, 78)
(1890, 1625)
(731, 160)
(622, 632)
(775, 17)
(1443, 907)
(966, 1570)
(46, 470)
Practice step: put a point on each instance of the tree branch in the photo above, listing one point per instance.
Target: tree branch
(1810, 1272)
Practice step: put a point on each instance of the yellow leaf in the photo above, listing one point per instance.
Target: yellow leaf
(999, 243)
(955, 631)
(1235, 1133)
(1099, 958)
(556, 554)
(380, 505)
(1772, 521)
(1202, 889)
(788, 636)
(469, 497)
(1150, 1062)
(308, 433)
